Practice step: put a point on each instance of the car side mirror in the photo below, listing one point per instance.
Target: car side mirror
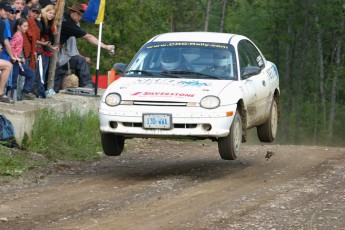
(120, 68)
(250, 71)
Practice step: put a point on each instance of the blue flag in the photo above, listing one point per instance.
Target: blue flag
(95, 11)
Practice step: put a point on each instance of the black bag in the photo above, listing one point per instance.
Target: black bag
(7, 133)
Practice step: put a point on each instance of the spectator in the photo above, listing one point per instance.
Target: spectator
(47, 37)
(19, 66)
(5, 68)
(77, 62)
(19, 5)
(6, 54)
(45, 3)
(32, 35)
(12, 18)
(27, 8)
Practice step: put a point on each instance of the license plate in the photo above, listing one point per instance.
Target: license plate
(157, 121)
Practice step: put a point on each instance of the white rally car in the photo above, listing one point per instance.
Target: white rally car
(195, 85)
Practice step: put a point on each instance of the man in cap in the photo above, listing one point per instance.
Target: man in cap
(69, 57)
(28, 6)
(12, 18)
(5, 65)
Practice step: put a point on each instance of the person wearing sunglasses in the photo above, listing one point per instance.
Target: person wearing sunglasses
(12, 18)
(19, 5)
(27, 7)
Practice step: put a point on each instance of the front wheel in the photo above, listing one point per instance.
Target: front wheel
(267, 131)
(229, 146)
(112, 144)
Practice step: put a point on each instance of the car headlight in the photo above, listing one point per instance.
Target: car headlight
(210, 102)
(113, 99)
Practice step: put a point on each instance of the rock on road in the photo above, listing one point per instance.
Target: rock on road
(159, 184)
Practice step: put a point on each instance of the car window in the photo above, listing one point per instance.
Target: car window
(249, 56)
(185, 60)
(255, 54)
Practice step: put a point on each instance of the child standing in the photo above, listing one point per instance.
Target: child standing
(19, 67)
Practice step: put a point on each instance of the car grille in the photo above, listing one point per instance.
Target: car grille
(176, 126)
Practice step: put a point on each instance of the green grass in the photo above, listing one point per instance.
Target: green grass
(70, 136)
(55, 136)
(11, 164)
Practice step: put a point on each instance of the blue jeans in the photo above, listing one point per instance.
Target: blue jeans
(27, 72)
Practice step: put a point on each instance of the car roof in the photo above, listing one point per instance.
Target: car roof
(197, 37)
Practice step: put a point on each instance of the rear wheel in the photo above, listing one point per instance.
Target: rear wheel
(267, 131)
(229, 146)
(112, 144)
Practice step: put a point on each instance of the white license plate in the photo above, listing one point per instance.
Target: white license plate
(157, 121)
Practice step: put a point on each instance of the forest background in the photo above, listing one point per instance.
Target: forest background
(304, 38)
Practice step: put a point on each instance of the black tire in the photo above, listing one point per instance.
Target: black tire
(112, 144)
(267, 131)
(229, 146)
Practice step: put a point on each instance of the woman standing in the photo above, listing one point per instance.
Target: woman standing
(46, 50)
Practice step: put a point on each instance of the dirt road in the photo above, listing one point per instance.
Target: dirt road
(184, 185)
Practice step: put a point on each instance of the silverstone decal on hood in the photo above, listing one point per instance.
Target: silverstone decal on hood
(163, 94)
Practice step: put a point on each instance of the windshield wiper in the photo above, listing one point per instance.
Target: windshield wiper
(196, 73)
(140, 71)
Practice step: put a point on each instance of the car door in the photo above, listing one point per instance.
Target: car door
(256, 85)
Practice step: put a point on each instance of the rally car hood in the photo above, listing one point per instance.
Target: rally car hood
(166, 89)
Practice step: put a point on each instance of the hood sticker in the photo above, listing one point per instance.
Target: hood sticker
(163, 94)
(170, 82)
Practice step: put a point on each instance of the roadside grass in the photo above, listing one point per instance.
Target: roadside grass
(55, 136)
(11, 163)
(70, 136)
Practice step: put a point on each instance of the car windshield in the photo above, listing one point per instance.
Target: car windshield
(184, 60)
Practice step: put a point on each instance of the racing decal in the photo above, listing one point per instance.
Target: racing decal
(162, 94)
(171, 44)
(192, 83)
(171, 82)
(272, 72)
(259, 60)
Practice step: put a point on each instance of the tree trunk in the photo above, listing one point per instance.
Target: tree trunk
(207, 14)
(53, 61)
(334, 84)
(288, 83)
(322, 71)
(223, 16)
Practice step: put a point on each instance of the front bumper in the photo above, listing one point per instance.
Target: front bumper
(187, 122)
